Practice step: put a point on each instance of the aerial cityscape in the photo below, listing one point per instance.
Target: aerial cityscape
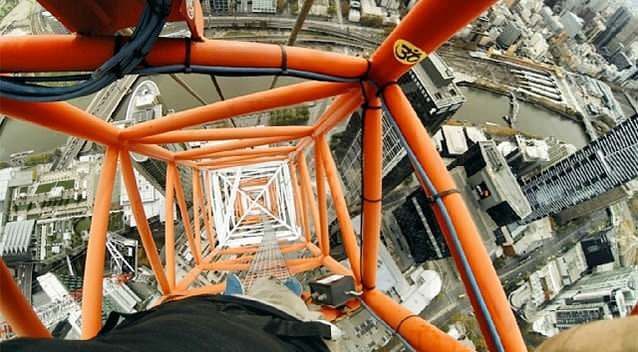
(532, 107)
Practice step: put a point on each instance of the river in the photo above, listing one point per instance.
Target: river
(481, 106)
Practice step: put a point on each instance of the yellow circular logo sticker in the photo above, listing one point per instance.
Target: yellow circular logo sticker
(408, 53)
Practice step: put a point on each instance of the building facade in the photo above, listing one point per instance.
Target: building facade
(606, 163)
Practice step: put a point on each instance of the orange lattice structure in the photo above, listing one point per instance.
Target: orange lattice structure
(365, 83)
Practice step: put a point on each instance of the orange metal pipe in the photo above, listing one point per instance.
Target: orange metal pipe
(143, 228)
(225, 266)
(261, 101)
(181, 203)
(233, 159)
(308, 194)
(223, 156)
(489, 284)
(196, 212)
(254, 161)
(188, 278)
(96, 248)
(209, 208)
(296, 266)
(341, 208)
(285, 248)
(300, 209)
(61, 117)
(153, 151)
(316, 251)
(421, 335)
(346, 104)
(214, 289)
(80, 53)
(169, 228)
(320, 179)
(372, 192)
(209, 151)
(204, 207)
(428, 25)
(336, 267)
(16, 310)
(213, 134)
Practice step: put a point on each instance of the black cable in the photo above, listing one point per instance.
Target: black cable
(127, 58)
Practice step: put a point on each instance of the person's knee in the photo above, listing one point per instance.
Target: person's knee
(617, 335)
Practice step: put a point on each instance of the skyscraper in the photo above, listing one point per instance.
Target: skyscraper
(615, 24)
(605, 164)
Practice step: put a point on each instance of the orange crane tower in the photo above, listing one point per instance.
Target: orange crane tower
(354, 82)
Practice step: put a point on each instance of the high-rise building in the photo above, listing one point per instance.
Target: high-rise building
(420, 228)
(605, 295)
(615, 24)
(219, 6)
(603, 165)
(264, 6)
(431, 90)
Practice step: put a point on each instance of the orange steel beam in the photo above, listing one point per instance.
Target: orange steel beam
(336, 267)
(209, 151)
(223, 156)
(233, 159)
(196, 212)
(320, 179)
(107, 17)
(153, 151)
(81, 53)
(254, 161)
(68, 119)
(197, 184)
(213, 289)
(188, 278)
(169, 228)
(296, 266)
(285, 248)
(209, 208)
(261, 101)
(308, 194)
(143, 228)
(345, 105)
(181, 203)
(213, 134)
(341, 208)
(342, 107)
(300, 208)
(481, 265)
(428, 25)
(225, 266)
(16, 310)
(96, 248)
(420, 334)
(372, 192)
(61, 117)
(313, 249)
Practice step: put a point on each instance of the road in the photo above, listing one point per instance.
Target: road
(453, 298)
(339, 14)
(103, 106)
(367, 35)
(538, 257)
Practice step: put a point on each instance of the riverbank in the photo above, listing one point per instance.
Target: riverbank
(563, 110)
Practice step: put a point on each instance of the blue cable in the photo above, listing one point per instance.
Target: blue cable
(453, 234)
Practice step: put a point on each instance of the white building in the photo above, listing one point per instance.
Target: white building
(152, 199)
(573, 24)
(264, 6)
